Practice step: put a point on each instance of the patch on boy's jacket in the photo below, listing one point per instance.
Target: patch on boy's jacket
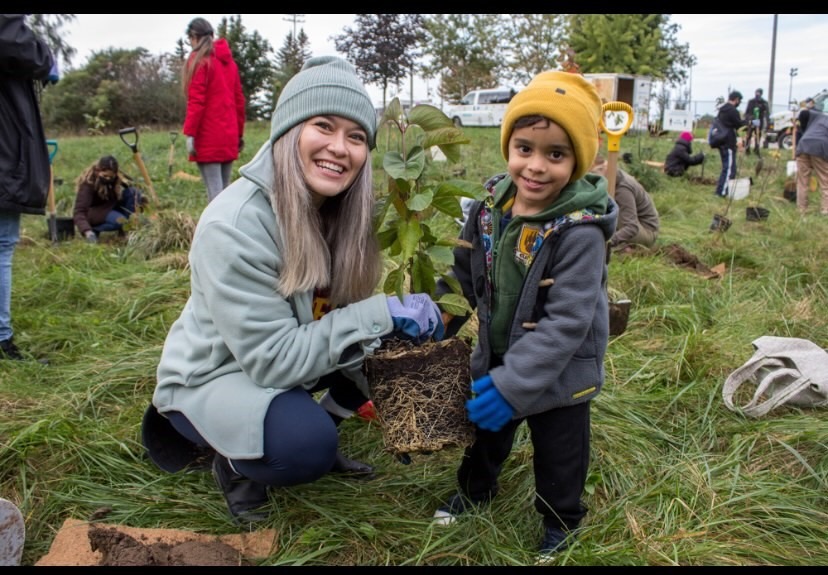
(528, 242)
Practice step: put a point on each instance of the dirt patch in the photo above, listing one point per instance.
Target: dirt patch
(79, 543)
(119, 549)
(703, 180)
(681, 257)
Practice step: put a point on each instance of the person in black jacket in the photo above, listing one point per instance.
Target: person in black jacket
(731, 119)
(24, 157)
(681, 156)
(756, 119)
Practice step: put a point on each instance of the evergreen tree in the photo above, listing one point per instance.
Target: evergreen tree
(640, 44)
(289, 60)
(252, 55)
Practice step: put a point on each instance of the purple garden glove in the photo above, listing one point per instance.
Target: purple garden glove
(416, 318)
(488, 410)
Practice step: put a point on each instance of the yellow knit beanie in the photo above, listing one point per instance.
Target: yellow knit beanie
(569, 100)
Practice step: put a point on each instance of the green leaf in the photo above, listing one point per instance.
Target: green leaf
(428, 235)
(454, 304)
(387, 237)
(448, 204)
(445, 136)
(429, 117)
(380, 211)
(414, 139)
(400, 187)
(448, 140)
(409, 233)
(463, 188)
(446, 198)
(422, 275)
(393, 112)
(441, 255)
(452, 152)
(454, 284)
(400, 169)
(393, 283)
(420, 201)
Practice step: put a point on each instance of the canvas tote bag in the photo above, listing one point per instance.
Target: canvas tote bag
(784, 370)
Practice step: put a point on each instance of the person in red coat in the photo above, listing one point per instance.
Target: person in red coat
(214, 125)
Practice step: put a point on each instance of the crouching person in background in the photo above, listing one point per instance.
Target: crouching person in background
(104, 200)
(681, 156)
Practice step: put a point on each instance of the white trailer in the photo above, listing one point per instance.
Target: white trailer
(631, 89)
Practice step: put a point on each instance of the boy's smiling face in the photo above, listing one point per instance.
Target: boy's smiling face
(541, 163)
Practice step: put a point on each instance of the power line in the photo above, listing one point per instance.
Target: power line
(295, 18)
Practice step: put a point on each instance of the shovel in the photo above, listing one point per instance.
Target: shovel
(53, 233)
(173, 136)
(136, 155)
(616, 118)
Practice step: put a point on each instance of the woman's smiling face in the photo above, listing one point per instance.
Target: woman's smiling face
(333, 150)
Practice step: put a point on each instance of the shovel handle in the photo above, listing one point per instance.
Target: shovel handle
(53, 148)
(614, 134)
(132, 145)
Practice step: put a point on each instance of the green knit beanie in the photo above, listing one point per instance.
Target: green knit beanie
(326, 85)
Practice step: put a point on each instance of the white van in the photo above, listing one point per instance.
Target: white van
(481, 107)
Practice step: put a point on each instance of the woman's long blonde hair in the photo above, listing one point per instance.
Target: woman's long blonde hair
(331, 247)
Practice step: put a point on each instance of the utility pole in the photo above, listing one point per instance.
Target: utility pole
(794, 72)
(295, 18)
(773, 65)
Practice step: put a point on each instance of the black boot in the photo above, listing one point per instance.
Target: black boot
(8, 350)
(352, 468)
(244, 497)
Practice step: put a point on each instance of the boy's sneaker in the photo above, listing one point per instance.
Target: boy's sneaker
(9, 351)
(456, 505)
(554, 541)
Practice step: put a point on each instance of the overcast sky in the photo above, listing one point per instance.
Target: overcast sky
(734, 51)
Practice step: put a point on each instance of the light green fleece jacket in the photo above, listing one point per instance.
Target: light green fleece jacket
(237, 343)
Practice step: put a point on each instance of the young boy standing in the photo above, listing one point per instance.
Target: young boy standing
(536, 275)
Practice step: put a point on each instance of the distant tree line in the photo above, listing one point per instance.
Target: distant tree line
(118, 88)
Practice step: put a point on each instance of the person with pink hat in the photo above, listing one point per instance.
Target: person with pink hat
(681, 156)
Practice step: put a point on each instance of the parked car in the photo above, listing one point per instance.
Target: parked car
(481, 107)
(780, 127)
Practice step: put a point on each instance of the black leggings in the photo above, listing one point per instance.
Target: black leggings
(300, 437)
(560, 441)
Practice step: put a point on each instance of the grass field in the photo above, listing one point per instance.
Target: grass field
(676, 478)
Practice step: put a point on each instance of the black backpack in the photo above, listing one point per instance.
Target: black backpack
(717, 135)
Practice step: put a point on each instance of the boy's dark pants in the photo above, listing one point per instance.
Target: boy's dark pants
(560, 441)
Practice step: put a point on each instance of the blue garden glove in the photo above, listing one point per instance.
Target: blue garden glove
(54, 73)
(416, 318)
(191, 146)
(488, 410)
